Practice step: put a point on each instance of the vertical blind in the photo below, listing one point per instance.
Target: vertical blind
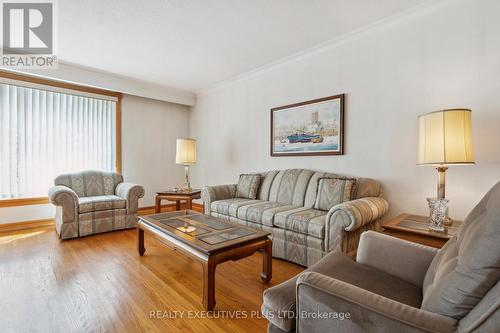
(45, 133)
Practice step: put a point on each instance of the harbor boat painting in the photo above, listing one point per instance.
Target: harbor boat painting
(309, 128)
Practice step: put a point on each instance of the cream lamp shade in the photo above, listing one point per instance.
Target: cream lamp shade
(186, 151)
(444, 137)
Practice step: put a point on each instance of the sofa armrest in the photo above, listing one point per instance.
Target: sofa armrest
(65, 198)
(130, 192)
(347, 308)
(350, 216)
(210, 194)
(407, 260)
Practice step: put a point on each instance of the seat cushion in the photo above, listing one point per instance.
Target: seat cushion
(280, 299)
(100, 202)
(230, 206)
(302, 220)
(468, 266)
(248, 186)
(262, 212)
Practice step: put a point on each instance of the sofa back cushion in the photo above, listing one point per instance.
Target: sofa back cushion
(266, 181)
(289, 186)
(333, 191)
(468, 266)
(90, 183)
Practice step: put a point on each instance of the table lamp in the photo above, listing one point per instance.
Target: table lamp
(444, 139)
(186, 155)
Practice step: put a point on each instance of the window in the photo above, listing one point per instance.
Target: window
(46, 131)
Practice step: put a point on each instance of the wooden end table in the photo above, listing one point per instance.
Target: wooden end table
(177, 196)
(414, 229)
(209, 240)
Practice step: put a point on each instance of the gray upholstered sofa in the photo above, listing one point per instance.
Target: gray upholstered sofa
(399, 286)
(92, 202)
(285, 207)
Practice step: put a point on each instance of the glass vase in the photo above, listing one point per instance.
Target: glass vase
(437, 209)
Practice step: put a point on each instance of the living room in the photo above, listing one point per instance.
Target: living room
(235, 166)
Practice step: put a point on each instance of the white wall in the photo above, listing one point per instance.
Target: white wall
(149, 130)
(441, 57)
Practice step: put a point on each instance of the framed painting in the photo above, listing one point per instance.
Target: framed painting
(309, 128)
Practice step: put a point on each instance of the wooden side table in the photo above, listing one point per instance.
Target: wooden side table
(414, 228)
(177, 196)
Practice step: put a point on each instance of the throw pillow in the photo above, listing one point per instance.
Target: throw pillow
(333, 191)
(248, 186)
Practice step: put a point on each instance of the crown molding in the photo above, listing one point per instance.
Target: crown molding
(82, 75)
(387, 22)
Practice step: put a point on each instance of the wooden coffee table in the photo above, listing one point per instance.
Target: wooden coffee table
(207, 239)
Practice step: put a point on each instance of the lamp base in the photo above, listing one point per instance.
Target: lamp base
(187, 184)
(441, 192)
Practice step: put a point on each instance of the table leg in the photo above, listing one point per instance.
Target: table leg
(189, 204)
(177, 205)
(157, 205)
(140, 241)
(209, 285)
(267, 261)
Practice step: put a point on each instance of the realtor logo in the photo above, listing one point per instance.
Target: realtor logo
(28, 34)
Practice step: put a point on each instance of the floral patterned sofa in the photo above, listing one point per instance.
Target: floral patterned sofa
(92, 202)
(284, 206)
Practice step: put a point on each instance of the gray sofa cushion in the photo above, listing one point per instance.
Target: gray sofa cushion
(302, 220)
(485, 317)
(265, 184)
(468, 265)
(101, 202)
(280, 299)
(333, 191)
(262, 212)
(230, 206)
(90, 183)
(365, 187)
(289, 186)
(248, 185)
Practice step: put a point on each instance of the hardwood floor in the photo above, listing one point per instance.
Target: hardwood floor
(101, 284)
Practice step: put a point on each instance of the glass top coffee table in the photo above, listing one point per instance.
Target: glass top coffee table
(207, 239)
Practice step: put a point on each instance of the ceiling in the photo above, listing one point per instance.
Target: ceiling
(194, 44)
